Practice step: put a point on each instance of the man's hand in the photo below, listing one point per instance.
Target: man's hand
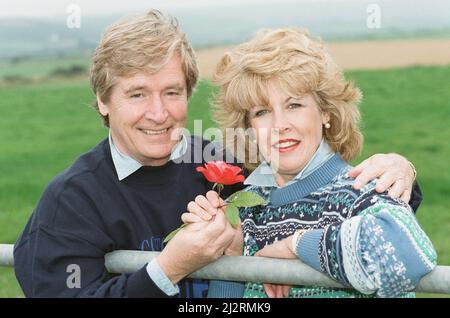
(195, 246)
(280, 249)
(205, 208)
(394, 172)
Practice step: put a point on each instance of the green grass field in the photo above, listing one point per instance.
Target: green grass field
(39, 68)
(44, 127)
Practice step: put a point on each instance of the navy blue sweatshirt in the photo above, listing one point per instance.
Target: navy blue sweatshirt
(86, 212)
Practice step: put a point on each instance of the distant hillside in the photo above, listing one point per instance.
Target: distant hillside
(22, 38)
(205, 26)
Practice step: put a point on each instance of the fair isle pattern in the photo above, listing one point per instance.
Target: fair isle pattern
(379, 255)
(407, 223)
(354, 249)
(355, 273)
(330, 258)
(256, 290)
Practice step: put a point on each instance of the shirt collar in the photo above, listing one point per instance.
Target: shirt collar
(126, 165)
(263, 175)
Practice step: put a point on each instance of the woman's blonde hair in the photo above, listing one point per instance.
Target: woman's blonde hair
(140, 43)
(300, 65)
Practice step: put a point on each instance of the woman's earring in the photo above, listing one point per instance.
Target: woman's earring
(327, 125)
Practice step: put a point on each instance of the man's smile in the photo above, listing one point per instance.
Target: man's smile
(152, 132)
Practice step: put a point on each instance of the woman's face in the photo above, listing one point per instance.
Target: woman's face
(288, 131)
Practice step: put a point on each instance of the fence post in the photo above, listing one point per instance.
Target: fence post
(6, 255)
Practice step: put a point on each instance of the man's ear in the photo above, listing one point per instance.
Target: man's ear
(102, 108)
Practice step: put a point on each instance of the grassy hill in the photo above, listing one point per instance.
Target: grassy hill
(44, 127)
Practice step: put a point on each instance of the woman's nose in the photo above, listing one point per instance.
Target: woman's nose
(281, 122)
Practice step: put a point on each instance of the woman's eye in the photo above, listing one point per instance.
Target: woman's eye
(261, 112)
(295, 105)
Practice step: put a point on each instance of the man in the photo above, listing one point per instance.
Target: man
(129, 192)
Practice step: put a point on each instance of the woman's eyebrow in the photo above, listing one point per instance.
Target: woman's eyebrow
(299, 99)
(291, 97)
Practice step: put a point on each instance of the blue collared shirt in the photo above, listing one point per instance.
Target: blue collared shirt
(125, 166)
(263, 176)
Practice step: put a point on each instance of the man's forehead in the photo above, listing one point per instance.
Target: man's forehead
(147, 81)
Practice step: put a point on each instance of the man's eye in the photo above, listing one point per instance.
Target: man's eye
(173, 93)
(137, 95)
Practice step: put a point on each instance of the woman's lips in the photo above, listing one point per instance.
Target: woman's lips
(287, 145)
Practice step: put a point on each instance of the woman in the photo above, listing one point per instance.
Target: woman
(285, 86)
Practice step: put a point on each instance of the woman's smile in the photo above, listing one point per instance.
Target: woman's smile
(287, 145)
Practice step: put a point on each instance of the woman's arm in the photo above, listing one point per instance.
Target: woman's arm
(381, 249)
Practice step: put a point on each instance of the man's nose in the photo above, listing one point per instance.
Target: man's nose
(156, 110)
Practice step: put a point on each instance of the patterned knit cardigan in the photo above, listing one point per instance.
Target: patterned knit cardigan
(367, 241)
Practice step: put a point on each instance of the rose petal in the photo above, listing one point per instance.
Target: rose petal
(221, 172)
(207, 174)
(214, 171)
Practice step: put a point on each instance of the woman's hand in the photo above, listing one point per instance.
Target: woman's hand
(204, 209)
(280, 249)
(393, 171)
(277, 291)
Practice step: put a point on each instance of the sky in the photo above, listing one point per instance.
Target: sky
(58, 8)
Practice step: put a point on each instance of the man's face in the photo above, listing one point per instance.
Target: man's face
(147, 111)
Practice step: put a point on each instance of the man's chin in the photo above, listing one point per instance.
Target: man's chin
(157, 157)
(152, 161)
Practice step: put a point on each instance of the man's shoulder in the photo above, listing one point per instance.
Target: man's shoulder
(84, 174)
(68, 203)
(84, 167)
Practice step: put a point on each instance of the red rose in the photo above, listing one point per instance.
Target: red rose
(221, 172)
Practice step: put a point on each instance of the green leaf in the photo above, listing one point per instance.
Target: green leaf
(246, 199)
(233, 196)
(232, 214)
(173, 233)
